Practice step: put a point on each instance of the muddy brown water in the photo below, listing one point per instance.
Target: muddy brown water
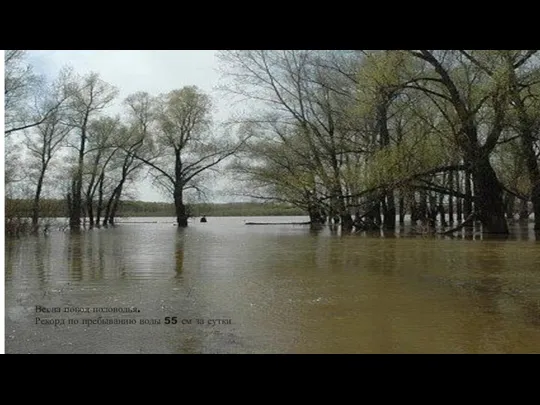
(224, 287)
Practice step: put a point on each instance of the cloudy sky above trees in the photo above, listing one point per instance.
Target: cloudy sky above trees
(153, 71)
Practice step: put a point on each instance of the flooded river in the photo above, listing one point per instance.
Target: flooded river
(227, 287)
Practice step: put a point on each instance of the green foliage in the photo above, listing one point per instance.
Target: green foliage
(399, 162)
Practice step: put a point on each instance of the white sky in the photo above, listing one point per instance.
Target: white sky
(153, 71)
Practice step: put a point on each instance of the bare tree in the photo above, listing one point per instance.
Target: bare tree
(135, 141)
(88, 96)
(24, 93)
(43, 144)
(183, 144)
(104, 134)
(311, 91)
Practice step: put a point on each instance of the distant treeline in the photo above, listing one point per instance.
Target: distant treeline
(58, 208)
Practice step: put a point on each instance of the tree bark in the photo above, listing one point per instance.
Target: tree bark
(115, 204)
(401, 208)
(422, 206)
(75, 217)
(433, 209)
(489, 207)
(90, 211)
(442, 214)
(459, 200)
(390, 211)
(534, 174)
(523, 211)
(488, 204)
(450, 198)
(377, 215)
(414, 209)
(108, 208)
(509, 205)
(100, 198)
(346, 222)
(315, 214)
(467, 204)
(527, 127)
(35, 208)
(387, 200)
(181, 216)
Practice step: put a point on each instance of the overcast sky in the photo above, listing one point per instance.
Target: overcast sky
(131, 71)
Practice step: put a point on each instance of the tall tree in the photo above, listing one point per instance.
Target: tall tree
(450, 79)
(136, 141)
(44, 142)
(89, 95)
(311, 92)
(524, 89)
(184, 145)
(104, 134)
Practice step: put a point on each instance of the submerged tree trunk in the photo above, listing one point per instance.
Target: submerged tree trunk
(76, 207)
(389, 211)
(422, 206)
(377, 215)
(90, 211)
(442, 214)
(534, 175)
(100, 198)
(76, 202)
(459, 200)
(523, 211)
(489, 207)
(69, 203)
(451, 198)
(315, 215)
(509, 203)
(535, 198)
(35, 208)
(346, 222)
(108, 208)
(467, 204)
(401, 209)
(414, 209)
(181, 215)
(112, 204)
(114, 207)
(432, 213)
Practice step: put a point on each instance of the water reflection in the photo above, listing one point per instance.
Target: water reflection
(179, 252)
(74, 255)
(11, 246)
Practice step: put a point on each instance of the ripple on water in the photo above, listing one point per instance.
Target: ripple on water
(286, 290)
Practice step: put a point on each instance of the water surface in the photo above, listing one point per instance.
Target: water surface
(271, 289)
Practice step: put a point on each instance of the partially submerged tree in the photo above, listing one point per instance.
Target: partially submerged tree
(462, 93)
(310, 92)
(280, 168)
(89, 95)
(183, 145)
(136, 140)
(104, 137)
(524, 94)
(43, 144)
